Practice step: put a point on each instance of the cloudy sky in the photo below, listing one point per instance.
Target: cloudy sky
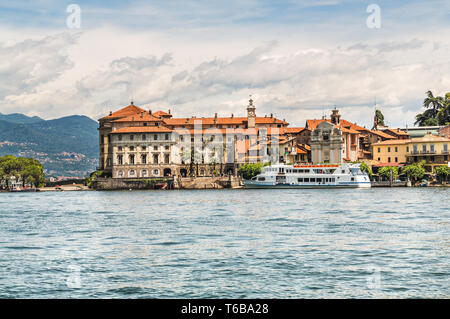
(298, 58)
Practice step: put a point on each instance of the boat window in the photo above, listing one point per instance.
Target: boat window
(254, 178)
(313, 180)
(306, 180)
(261, 179)
(300, 180)
(318, 180)
(343, 171)
(333, 180)
(353, 179)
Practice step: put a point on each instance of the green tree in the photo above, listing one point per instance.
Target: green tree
(437, 110)
(443, 172)
(247, 171)
(380, 118)
(385, 172)
(415, 171)
(27, 169)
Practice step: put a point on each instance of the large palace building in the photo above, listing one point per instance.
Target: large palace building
(138, 143)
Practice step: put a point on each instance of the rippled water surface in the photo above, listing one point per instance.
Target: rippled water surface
(367, 243)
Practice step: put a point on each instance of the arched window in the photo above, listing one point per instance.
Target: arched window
(132, 172)
(120, 173)
(144, 173)
(155, 172)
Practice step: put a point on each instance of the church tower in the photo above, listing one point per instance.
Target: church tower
(251, 115)
(335, 117)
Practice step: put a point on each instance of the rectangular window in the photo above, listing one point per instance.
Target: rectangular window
(407, 149)
(155, 137)
(300, 180)
(379, 149)
(166, 159)
(389, 149)
(389, 159)
(432, 148)
(312, 180)
(155, 148)
(119, 137)
(155, 158)
(445, 147)
(144, 137)
(131, 137)
(396, 149)
(306, 180)
(167, 136)
(424, 148)
(396, 159)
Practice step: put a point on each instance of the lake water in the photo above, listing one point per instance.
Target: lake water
(363, 243)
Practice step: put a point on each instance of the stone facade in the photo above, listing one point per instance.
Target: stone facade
(326, 144)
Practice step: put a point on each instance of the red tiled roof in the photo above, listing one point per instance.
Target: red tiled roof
(222, 120)
(392, 142)
(162, 114)
(139, 117)
(312, 124)
(382, 134)
(143, 129)
(396, 131)
(293, 130)
(128, 110)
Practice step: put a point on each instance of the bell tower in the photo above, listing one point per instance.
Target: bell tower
(251, 114)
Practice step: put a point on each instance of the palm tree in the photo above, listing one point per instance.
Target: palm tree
(444, 113)
(435, 103)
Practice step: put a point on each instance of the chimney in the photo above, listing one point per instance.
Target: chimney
(271, 115)
(232, 115)
(110, 113)
(142, 115)
(149, 112)
(169, 111)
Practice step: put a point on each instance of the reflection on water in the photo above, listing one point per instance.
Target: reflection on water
(226, 243)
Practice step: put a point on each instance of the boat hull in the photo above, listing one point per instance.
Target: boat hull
(252, 185)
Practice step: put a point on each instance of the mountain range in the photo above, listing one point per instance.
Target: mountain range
(66, 146)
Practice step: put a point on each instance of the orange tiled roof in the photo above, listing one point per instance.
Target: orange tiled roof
(312, 124)
(382, 134)
(300, 151)
(162, 114)
(143, 129)
(128, 110)
(139, 117)
(293, 130)
(396, 131)
(222, 120)
(392, 142)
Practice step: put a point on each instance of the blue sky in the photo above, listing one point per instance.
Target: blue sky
(298, 58)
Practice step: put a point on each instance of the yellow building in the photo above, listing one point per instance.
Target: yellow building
(431, 148)
(390, 151)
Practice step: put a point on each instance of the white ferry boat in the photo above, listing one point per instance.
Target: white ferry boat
(310, 176)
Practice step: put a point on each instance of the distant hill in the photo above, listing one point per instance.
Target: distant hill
(19, 118)
(66, 146)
